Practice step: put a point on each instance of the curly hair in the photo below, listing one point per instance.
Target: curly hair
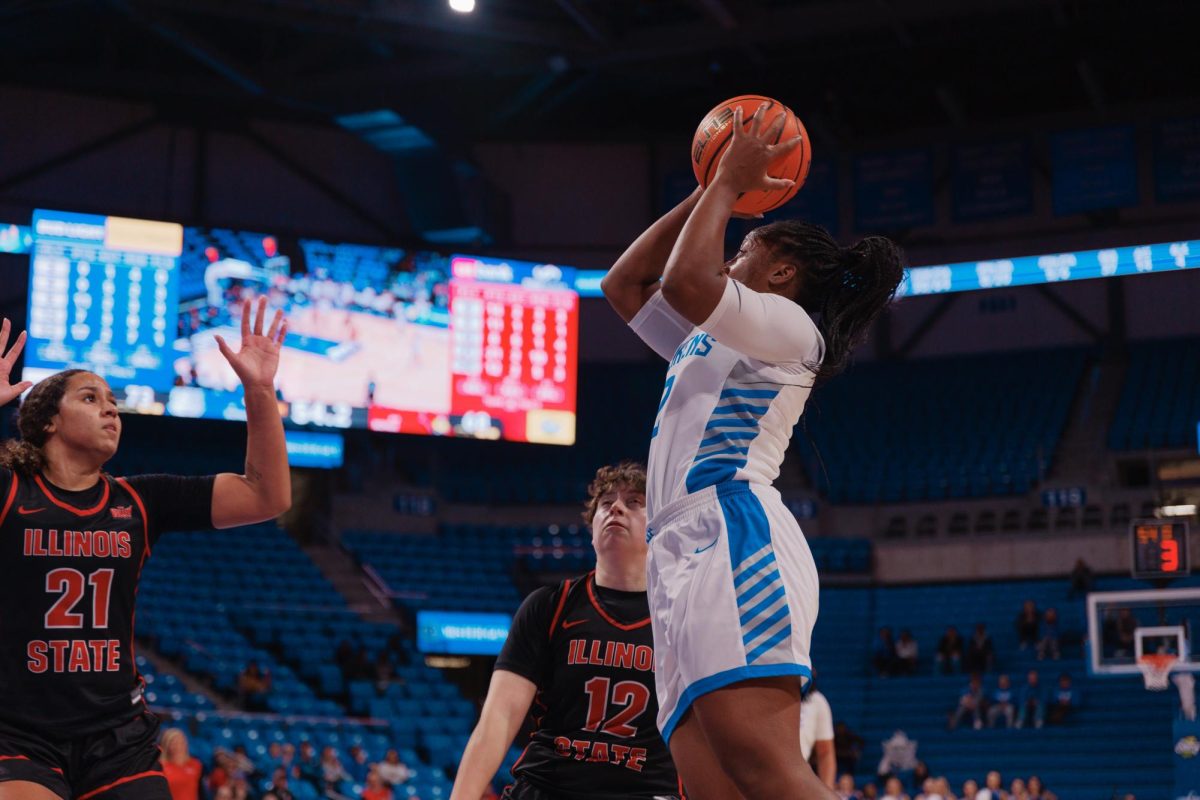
(41, 404)
(628, 474)
(845, 288)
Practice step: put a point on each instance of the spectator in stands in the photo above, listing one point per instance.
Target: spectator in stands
(884, 655)
(279, 785)
(907, 654)
(223, 793)
(970, 703)
(181, 769)
(377, 788)
(253, 685)
(894, 790)
(359, 766)
(1081, 578)
(949, 651)
(332, 771)
(288, 759)
(845, 788)
(1017, 791)
(943, 788)
(870, 792)
(993, 788)
(1063, 700)
(930, 790)
(1002, 706)
(344, 656)
(919, 776)
(239, 789)
(243, 765)
(1028, 622)
(970, 790)
(393, 771)
(1048, 645)
(309, 764)
(1032, 702)
(1037, 791)
(385, 670)
(980, 653)
(848, 747)
(816, 735)
(274, 754)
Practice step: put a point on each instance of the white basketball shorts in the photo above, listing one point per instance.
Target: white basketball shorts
(733, 594)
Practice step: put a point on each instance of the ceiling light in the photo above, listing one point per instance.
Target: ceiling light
(462, 6)
(1182, 510)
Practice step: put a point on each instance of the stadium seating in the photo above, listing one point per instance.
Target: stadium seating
(1119, 741)
(1160, 401)
(939, 428)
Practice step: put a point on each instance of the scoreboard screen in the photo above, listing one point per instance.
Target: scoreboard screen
(378, 337)
(1160, 549)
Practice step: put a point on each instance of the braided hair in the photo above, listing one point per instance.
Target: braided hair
(844, 288)
(25, 455)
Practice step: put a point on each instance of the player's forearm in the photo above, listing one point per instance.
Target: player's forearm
(643, 262)
(481, 759)
(267, 471)
(694, 278)
(827, 769)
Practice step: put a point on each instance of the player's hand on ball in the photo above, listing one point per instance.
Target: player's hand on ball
(744, 165)
(258, 359)
(9, 391)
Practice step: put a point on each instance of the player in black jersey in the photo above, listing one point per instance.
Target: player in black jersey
(580, 656)
(73, 539)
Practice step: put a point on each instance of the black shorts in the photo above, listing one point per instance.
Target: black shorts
(117, 764)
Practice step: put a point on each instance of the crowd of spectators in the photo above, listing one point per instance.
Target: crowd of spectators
(1030, 705)
(1036, 629)
(921, 785)
(287, 772)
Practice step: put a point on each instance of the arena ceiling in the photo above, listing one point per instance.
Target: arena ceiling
(611, 69)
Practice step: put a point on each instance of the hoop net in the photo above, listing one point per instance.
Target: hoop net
(1156, 670)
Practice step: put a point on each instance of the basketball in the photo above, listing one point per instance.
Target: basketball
(712, 137)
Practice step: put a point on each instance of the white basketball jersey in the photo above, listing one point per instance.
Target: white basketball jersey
(735, 388)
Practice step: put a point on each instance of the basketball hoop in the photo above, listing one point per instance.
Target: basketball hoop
(1156, 670)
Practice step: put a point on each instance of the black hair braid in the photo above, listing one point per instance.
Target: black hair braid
(844, 288)
(41, 404)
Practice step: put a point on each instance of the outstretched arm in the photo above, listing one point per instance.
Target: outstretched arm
(265, 490)
(634, 278)
(695, 277)
(9, 391)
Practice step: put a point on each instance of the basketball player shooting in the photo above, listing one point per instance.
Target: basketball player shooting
(731, 582)
(73, 539)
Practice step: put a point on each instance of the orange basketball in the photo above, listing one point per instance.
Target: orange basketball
(712, 137)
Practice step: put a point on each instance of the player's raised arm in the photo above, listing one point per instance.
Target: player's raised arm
(508, 699)
(634, 278)
(695, 276)
(265, 490)
(9, 390)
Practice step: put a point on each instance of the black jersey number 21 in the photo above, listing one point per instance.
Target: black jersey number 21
(632, 695)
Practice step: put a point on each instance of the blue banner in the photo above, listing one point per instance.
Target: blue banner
(462, 632)
(992, 180)
(1051, 268)
(509, 270)
(893, 190)
(1177, 160)
(817, 200)
(1094, 169)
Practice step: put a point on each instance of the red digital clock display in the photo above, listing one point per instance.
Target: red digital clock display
(1160, 549)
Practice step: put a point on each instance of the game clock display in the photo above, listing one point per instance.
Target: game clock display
(378, 337)
(1160, 549)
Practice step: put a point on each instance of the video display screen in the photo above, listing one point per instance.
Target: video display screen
(382, 338)
(462, 632)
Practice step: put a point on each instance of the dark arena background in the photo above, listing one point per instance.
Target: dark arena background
(433, 195)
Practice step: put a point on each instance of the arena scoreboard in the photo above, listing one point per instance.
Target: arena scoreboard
(378, 337)
(1160, 549)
